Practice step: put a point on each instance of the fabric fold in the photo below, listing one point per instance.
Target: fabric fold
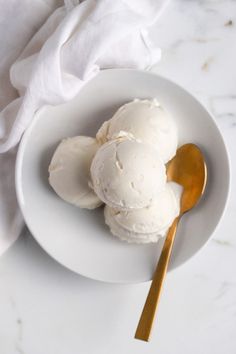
(71, 47)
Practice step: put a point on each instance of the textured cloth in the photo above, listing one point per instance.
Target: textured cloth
(70, 48)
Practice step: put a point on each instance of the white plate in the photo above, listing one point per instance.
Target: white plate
(79, 239)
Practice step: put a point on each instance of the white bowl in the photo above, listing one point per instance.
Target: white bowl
(79, 239)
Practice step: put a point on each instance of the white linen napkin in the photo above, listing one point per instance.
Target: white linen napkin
(71, 47)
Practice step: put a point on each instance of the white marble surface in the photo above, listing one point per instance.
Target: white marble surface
(44, 308)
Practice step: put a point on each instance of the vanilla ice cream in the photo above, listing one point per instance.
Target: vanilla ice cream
(124, 167)
(69, 171)
(147, 224)
(147, 121)
(127, 174)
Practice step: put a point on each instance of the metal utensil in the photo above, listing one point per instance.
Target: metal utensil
(188, 169)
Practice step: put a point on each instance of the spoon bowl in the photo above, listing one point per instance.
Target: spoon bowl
(188, 168)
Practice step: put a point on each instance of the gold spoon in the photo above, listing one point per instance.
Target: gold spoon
(188, 169)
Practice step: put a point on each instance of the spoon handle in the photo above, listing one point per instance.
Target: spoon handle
(145, 324)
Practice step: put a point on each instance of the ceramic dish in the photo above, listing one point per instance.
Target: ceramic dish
(79, 239)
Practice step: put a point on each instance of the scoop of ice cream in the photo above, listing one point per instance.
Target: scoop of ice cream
(127, 174)
(147, 224)
(69, 171)
(147, 121)
(127, 235)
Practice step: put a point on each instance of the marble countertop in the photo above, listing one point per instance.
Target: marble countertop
(45, 308)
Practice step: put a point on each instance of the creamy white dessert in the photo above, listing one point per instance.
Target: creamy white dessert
(127, 174)
(69, 171)
(124, 167)
(147, 224)
(147, 121)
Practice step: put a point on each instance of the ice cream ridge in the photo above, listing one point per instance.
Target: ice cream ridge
(124, 167)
